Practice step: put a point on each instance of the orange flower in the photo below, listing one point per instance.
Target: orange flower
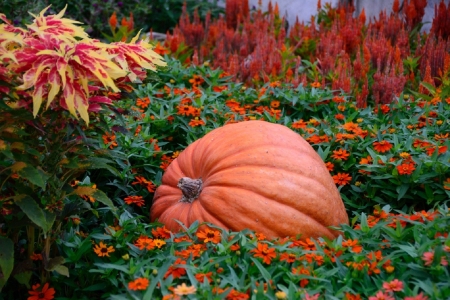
(103, 249)
(176, 272)
(365, 160)
(288, 257)
(159, 243)
(161, 233)
(113, 21)
(209, 235)
(338, 99)
(350, 126)
(382, 146)
(302, 271)
(109, 138)
(330, 166)
(196, 122)
(160, 49)
(299, 124)
(144, 182)
(405, 169)
(196, 80)
(144, 242)
(263, 251)
(315, 84)
(143, 102)
(339, 117)
(236, 295)
(275, 104)
(440, 149)
(202, 276)
(235, 247)
(340, 154)
(36, 256)
(138, 200)
(447, 184)
(353, 244)
(183, 289)
(342, 178)
(349, 296)
(140, 284)
(393, 286)
(45, 293)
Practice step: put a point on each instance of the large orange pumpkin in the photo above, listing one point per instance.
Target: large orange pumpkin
(256, 175)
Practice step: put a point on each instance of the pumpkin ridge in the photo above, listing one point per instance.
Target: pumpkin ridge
(231, 222)
(212, 181)
(268, 198)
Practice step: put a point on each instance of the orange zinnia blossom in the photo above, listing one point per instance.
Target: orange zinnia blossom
(350, 126)
(196, 122)
(302, 271)
(209, 235)
(159, 243)
(196, 80)
(382, 146)
(109, 138)
(405, 169)
(45, 293)
(353, 244)
(288, 257)
(299, 124)
(440, 149)
(161, 233)
(349, 296)
(183, 289)
(330, 166)
(143, 102)
(236, 295)
(139, 284)
(103, 250)
(342, 178)
(144, 182)
(263, 251)
(202, 276)
(176, 272)
(340, 154)
(145, 242)
(393, 286)
(138, 200)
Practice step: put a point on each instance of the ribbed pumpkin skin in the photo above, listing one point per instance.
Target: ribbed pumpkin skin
(256, 175)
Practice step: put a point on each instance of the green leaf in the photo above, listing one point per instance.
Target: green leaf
(265, 274)
(24, 278)
(113, 266)
(63, 270)
(364, 226)
(35, 176)
(401, 190)
(35, 213)
(6, 259)
(54, 262)
(101, 197)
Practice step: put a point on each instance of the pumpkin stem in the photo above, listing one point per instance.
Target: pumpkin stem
(191, 189)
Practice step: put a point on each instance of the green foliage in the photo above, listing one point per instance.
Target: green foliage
(160, 15)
